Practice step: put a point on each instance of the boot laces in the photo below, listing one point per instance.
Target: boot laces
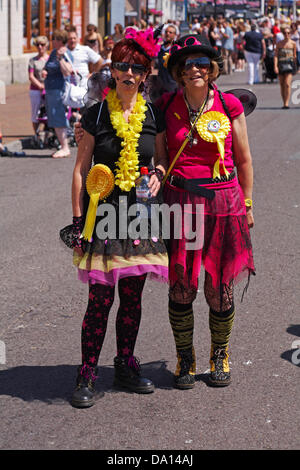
(134, 363)
(219, 353)
(186, 360)
(87, 372)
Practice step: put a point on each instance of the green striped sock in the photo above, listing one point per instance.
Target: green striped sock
(220, 324)
(182, 322)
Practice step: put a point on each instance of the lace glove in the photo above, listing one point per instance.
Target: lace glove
(78, 224)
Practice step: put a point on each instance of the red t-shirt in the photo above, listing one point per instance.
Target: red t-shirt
(275, 30)
(197, 161)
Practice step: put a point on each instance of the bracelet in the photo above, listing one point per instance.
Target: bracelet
(158, 173)
(248, 202)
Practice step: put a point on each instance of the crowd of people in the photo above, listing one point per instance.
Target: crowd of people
(68, 63)
(246, 44)
(243, 44)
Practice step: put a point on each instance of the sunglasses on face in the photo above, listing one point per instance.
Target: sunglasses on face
(198, 62)
(124, 67)
(40, 44)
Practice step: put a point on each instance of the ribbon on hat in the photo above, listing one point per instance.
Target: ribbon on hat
(214, 127)
(99, 184)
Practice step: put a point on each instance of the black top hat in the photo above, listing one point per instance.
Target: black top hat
(193, 44)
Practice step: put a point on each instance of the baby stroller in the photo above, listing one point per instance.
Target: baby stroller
(44, 136)
(268, 63)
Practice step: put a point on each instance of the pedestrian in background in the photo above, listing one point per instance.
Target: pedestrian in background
(227, 46)
(84, 59)
(285, 61)
(240, 42)
(166, 80)
(57, 69)
(93, 38)
(37, 86)
(255, 50)
(119, 32)
(295, 36)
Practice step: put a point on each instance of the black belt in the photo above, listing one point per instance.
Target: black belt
(194, 185)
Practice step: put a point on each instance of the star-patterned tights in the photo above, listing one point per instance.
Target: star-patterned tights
(101, 298)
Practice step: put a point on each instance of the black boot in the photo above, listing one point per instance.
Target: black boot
(184, 377)
(127, 375)
(219, 367)
(85, 394)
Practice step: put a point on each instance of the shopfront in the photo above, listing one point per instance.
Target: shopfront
(42, 17)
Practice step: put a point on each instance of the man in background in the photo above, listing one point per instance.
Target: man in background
(85, 60)
(169, 35)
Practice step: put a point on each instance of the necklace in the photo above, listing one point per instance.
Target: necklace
(194, 116)
(128, 164)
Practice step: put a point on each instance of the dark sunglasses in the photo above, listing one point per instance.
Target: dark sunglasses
(40, 44)
(124, 67)
(198, 62)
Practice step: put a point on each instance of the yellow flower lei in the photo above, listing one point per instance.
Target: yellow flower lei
(128, 163)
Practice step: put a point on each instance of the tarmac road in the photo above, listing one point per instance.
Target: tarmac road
(42, 306)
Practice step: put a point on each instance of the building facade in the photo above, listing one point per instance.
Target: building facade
(22, 20)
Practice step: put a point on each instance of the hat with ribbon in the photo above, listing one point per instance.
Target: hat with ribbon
(191, 44)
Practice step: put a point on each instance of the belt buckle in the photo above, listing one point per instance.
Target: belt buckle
(171, 180)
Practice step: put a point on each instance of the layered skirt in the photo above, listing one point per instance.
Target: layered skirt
(214, 232)
(116, 251)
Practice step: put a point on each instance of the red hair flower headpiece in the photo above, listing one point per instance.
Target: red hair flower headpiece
(145, 41)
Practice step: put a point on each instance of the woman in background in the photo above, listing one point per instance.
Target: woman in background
(93, 38)
(285, 60)
(57, 68)
(37, 85)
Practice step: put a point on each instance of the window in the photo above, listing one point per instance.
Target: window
(42, 17)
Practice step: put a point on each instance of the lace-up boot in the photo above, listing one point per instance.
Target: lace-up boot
(184, 377)
(219, 367)
(85, 394)
(128, 375)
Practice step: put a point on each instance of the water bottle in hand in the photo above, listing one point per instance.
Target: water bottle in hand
(143, 194)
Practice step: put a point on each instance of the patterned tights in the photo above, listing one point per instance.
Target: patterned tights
(101, 298)
(221, 316)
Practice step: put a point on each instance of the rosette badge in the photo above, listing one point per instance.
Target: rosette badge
(99, 184)
(214, 127)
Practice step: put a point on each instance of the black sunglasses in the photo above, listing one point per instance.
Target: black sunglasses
(198, 62)
(124, 67)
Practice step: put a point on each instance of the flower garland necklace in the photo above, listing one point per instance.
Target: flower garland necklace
(128, 164)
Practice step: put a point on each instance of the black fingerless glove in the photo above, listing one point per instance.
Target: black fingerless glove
(158, 173)
(78, 224)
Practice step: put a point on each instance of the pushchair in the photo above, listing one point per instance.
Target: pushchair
(45, 136)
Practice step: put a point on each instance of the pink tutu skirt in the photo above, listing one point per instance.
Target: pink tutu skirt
(224, 244)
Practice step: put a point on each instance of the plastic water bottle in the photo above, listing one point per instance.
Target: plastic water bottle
(143, 194)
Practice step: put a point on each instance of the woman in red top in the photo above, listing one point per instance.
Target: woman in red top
(217, 204)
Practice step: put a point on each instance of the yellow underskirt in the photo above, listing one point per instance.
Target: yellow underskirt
(108, 263)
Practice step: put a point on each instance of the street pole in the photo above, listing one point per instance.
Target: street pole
(184, 27)
(262, 7)
(278, 9)
(294, 10)
(147, 11)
